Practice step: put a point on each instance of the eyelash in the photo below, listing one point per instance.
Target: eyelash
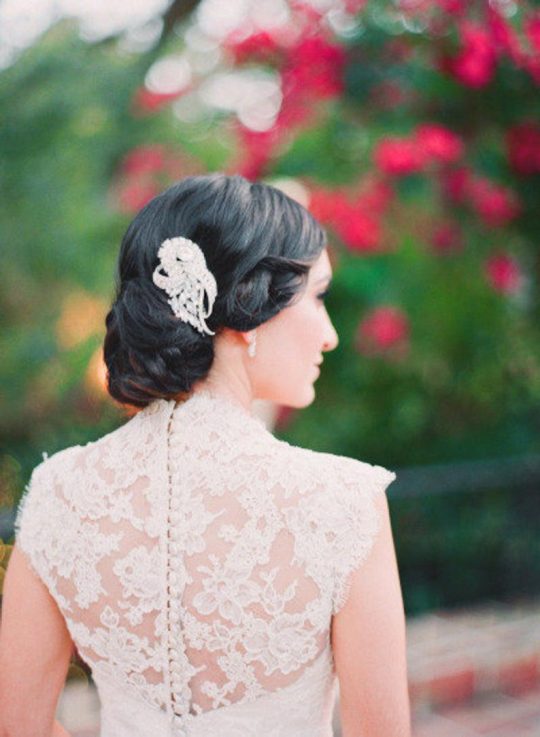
(324, 294)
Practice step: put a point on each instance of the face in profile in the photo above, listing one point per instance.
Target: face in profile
(291, 345)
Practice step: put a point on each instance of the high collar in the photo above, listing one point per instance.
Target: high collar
(212, 406)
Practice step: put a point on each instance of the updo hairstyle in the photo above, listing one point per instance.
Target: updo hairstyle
(258, 243)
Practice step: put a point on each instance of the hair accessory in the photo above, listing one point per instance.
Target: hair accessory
(252, 347)
(183, 274)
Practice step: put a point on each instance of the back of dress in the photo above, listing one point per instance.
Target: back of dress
(198, 562)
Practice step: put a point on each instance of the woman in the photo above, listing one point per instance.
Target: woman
(217, 581)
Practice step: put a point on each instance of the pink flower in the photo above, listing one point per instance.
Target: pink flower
(144, 160)
(382, 329)
(359, 230)
(146, 101)
(262, 46)
(503, 273)
(355, 6)
(439, 143)
(452, 7)
(474, 65)
(257, 149)
(328, 206)
(356, 222)
(532, 29)
(523, 147)
(135, 194)
(505, 39)
(398, 156)
(496, 205)
(315, 68)
(447, 238)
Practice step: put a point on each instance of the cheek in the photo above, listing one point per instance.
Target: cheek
(302, 336)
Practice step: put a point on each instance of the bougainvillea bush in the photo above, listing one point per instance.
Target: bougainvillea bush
(411, 130)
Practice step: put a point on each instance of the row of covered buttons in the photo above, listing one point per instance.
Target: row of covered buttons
(176, 579)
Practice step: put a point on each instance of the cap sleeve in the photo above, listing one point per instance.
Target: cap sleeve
(36, 511)
(359, 497)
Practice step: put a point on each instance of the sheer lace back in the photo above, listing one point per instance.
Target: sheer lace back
(197, 559)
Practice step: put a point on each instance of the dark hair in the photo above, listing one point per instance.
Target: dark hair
(258, 243)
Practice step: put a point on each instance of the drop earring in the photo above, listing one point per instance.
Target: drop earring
(252, 347)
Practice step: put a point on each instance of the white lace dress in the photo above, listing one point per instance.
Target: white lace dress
(198, 561)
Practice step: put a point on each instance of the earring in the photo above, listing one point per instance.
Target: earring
(252, 347)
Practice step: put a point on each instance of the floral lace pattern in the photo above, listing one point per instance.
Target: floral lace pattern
(197, 559)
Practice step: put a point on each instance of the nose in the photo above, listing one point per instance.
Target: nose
(331, 339)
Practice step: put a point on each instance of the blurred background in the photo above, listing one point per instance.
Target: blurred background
(411, 130)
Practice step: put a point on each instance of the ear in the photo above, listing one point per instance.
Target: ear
(246, 336)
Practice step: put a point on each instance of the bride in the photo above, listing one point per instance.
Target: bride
(217, 580)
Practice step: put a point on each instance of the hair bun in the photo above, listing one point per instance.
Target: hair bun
(149, 353)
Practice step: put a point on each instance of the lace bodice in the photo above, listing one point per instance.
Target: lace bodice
(198, 561)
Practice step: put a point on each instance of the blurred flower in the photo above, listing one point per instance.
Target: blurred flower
(532, 29)
(145, 171)
(474, 65)
(359, 230)
(398, 156)
(447, 238)
(312, 70)
(256, 150)
(505, 38)
(496, 205)
(328, 206)
(144, 160)
(523, 147)
(134, 194)
(439, 143)
(145, 101)
(503, 273)
(315, 68)
(354, 6)
(262, 46)
(452, 7)
(384, 328)
(355, 219)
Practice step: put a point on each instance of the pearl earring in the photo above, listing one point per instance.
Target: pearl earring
(252, 347)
